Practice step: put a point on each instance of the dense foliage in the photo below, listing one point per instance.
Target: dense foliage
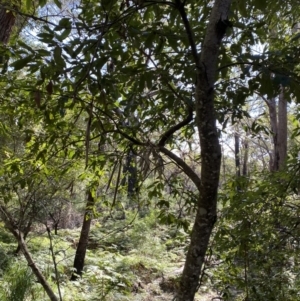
(113, 119)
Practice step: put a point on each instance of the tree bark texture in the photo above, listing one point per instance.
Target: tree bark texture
(7, 21)
(84, 236)
(206, 67)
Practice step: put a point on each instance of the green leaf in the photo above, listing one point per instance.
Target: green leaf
(243, 8)
(58, 4)
(28, 4)
(42, 3)
(19, 64)
(260, 4)
(46, 37)
(64, 34)
(64, 23)
(26, 46)
(173, 42)
(58, 57)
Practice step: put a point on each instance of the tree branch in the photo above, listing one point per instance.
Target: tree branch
(188, 29)
(185, 168)
(176, 127)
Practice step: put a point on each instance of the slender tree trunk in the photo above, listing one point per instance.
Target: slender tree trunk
(206, 216)
(130, 173)
(40, 277)
(282, 130)
(245, 159)
(274, 158)
(7, 21)
(25, 233)
(84, 236)
(278, 120)
(237, 154)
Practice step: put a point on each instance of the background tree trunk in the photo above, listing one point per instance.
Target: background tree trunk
(273, 121)
(282, 130)
(130, 173)
(278, 121)
(245, 157)
(237, 154)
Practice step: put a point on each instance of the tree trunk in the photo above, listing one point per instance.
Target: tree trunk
(245, 160)
(237, 154)
(130, 173)
(7, 21)
(84, 236)
(282, 130)
(25, 233)
(274, 157)
(278, 120)
(41, 279)
(206, 68)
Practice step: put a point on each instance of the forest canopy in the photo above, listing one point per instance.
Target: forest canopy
(118, 113)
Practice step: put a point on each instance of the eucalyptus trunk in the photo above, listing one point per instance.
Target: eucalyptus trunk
(206, 70)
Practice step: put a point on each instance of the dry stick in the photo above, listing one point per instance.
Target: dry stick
(54, 263)
(117, 185)
(10, 224)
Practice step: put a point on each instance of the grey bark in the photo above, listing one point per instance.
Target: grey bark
(206, 66)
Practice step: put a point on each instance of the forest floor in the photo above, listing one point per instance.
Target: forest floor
(135, 259)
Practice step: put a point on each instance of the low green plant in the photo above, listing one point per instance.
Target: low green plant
(16, 283)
